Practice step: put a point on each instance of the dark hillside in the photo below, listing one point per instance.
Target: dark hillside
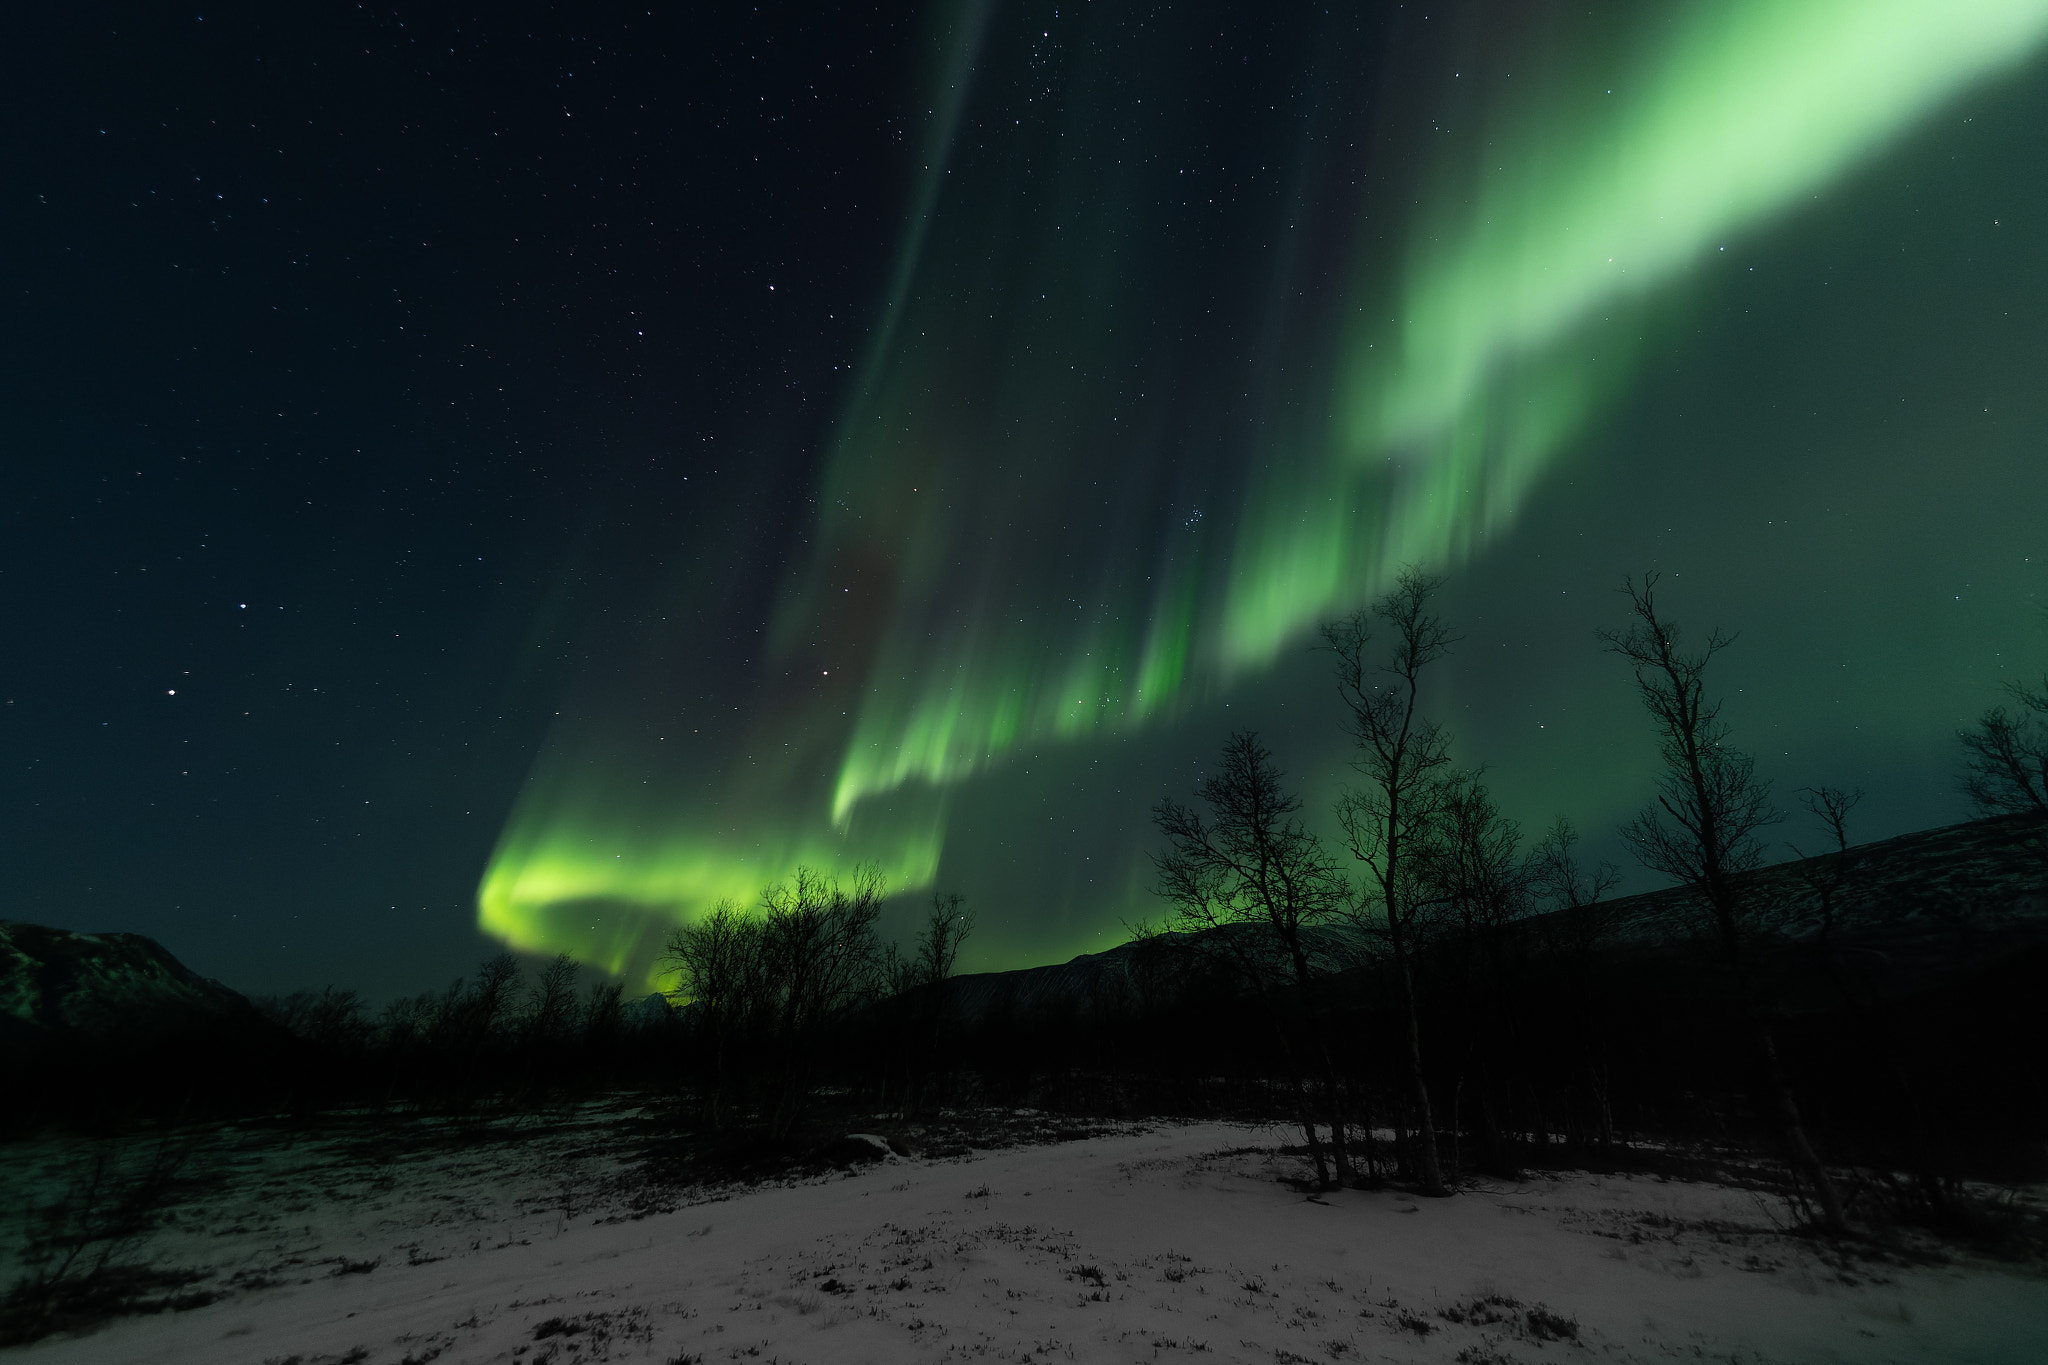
(112, 988)
(1905, 913)
(1902, 915)
(109, 1024)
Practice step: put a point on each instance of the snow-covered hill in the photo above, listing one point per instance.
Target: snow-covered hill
(58, 984)
(1912, 911)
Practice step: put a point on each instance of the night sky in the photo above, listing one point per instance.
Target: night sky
(517, 475)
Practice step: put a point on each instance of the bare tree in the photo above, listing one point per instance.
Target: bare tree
(1556, 874)
(819, 957)
(946, 928)
(330, 1018)
(930, 962)
(1469, 870)
(1577, 925)
(600, 1016)
(918, 1006)
(443, 1016)
(2005, 765)
(1704, 830)
(1401, 755)
(1469, 861)
(717, 963)
(465, 1020)
(402, 1023)
(550, 1004)
(1827, 876)
(490, 995)
(1248, 880)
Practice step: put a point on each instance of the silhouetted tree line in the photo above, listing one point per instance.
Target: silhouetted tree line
(502, 1035)
(1427, 993)
(771, 1005)
(770, 1001)
(1432, 993)
(1431, 978)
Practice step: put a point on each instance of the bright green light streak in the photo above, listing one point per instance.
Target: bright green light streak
(1517, 314)
(1523, 289)
(584, 878)
(1758, 105)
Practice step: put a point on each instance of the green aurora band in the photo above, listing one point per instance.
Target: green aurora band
(1061, 503)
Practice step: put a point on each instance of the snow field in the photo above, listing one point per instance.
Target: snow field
(1178, 1243)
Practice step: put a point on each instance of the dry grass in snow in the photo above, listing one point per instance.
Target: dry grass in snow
(1175, 1243)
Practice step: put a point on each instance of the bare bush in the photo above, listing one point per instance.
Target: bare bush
(762, 990)
(79, 1261)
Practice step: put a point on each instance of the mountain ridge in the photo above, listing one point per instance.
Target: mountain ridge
(1907, 909)
(60, 984)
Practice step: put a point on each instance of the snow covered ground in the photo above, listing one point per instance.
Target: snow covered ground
(1163, 1243)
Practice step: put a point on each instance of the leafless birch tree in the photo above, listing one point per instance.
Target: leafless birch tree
(1248, 880)
(1401, 755)
(1703, 830)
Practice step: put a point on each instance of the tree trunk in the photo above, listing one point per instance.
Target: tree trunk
(1603, 1112)
(1793, 1129)
(1365, 1136)
(1308, 1128)
(1404, 1150)
(1333, 1107)
(1429, 1170)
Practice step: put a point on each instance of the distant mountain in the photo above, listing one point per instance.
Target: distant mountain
(1904, 913)
(59, 988)
(649, 1011)
(1096, 981)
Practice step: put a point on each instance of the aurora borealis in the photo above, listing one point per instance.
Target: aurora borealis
(1173, 367)
(521, 480)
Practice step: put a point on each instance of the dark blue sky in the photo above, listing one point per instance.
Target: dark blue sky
(395, 396)
(359, 363)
